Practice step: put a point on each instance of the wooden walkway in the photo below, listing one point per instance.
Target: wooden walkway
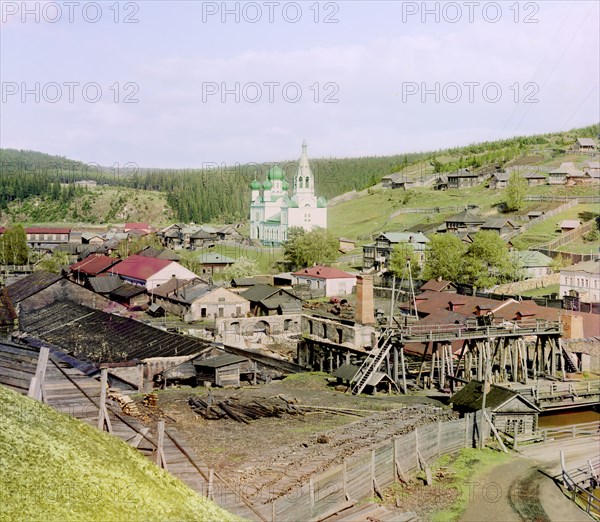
(69, 390)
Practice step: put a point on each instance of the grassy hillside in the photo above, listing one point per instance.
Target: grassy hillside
(381, 209)
(102, 204)
(55, 467)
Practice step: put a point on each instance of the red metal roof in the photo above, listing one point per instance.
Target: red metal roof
(140, 267)
(323, 272)
(47, 230)
(136, 226)
(94, 264)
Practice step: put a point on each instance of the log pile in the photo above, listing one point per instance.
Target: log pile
(243, 410)
(252, 408)
(150, 400)
(128, 406)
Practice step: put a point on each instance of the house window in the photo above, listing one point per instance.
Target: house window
(203, 312)
(238, 311)
(221, 311)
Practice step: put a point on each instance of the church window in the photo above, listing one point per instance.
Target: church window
(300, 182)
(306, 182)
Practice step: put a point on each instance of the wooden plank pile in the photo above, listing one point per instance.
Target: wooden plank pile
(242, 410)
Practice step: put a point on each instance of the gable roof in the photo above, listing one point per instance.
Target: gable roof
(566, 168)
(94, 264)
(586, 142)
(404, 237)
(261, 292)
(466, 216)
(220, 361)
(463, 173)
(211, 258)
(31, 285)
(105, 284)
(498, 223)
(136, 226)
(470, 397)
(569, 223)
(140, 267)
(323, 272)
(532, 258)
(437, 286)
(47, 230)
(501, 176)
(591, 267)
(534, 175)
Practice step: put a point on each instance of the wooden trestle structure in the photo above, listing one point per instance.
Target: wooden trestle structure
(454, 353)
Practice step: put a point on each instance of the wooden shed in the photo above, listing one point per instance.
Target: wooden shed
(223, 370)
(510, 412)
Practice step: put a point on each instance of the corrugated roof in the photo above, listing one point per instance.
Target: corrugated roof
(126, 291)
(591, 267)
(94, 264)
(140, 267)
(258, 293)
(105, 284)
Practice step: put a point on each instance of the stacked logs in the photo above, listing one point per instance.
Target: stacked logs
(128, 406)
(242, 410)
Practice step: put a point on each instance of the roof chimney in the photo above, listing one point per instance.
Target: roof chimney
(365, 308)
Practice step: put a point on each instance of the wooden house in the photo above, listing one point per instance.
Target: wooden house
(499, 180)
(566, 225)
(269, 300)
(509, 411)
(500, 225)
(560, 175)
(584, 145)
(464, 223)
(379, 381)
(397, 181)
(223, 370)
(534, 178)
(213, 263)
(346, 245)
(462, 178)
(439, 285)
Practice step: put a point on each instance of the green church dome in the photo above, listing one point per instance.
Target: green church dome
(285, 185)
(294, 202)
(275, 174)
(267, 185)
(255, 185)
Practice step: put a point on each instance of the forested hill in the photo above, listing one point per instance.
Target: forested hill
(223, 194)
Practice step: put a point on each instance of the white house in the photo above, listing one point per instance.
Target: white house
(333, 280)
(150, 271)
(273, 211)
(581, 280)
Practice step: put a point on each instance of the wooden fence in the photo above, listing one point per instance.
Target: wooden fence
(582, 199)
(365, 475)
(570, 236)
(582, 483)
(546, 435)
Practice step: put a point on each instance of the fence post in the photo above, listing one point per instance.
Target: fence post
(417, 447)
(439, 437)
(467, 418)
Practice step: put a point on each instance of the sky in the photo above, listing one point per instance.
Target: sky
(193, 84)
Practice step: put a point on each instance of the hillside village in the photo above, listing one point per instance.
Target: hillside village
(181, 338)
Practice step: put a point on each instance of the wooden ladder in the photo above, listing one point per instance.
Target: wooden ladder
(372, 362)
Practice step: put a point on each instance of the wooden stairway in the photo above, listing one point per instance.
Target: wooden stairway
(372, 362)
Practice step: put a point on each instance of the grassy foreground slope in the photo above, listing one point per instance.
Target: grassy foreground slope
(55, 467)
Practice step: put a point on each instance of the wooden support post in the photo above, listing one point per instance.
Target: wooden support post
(395, 365)
(211, 482)
(311, 492)
(345, 478)
(418, 381)
(403, 370)
(397, 468)
(467, 419)
(443, 368)
(439, 437)
(479, 361)
(103, 417)
(431, 371)
(160, 454)
(36, 387)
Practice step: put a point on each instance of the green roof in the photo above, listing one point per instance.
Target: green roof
(267, 185)
(275, 173)
(321, 202)
(285, 185)
(532, 258)
(255, 185)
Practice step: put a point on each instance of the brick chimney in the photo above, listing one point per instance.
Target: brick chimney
(572, 326)
(365, 308)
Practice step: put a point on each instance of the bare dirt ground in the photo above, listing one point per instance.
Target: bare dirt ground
(275, 454)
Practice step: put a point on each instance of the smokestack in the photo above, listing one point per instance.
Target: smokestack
(365, 308)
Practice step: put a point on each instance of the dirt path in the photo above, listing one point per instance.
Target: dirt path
(520, 491)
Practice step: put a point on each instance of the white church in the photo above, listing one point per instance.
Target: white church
(273, 211)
